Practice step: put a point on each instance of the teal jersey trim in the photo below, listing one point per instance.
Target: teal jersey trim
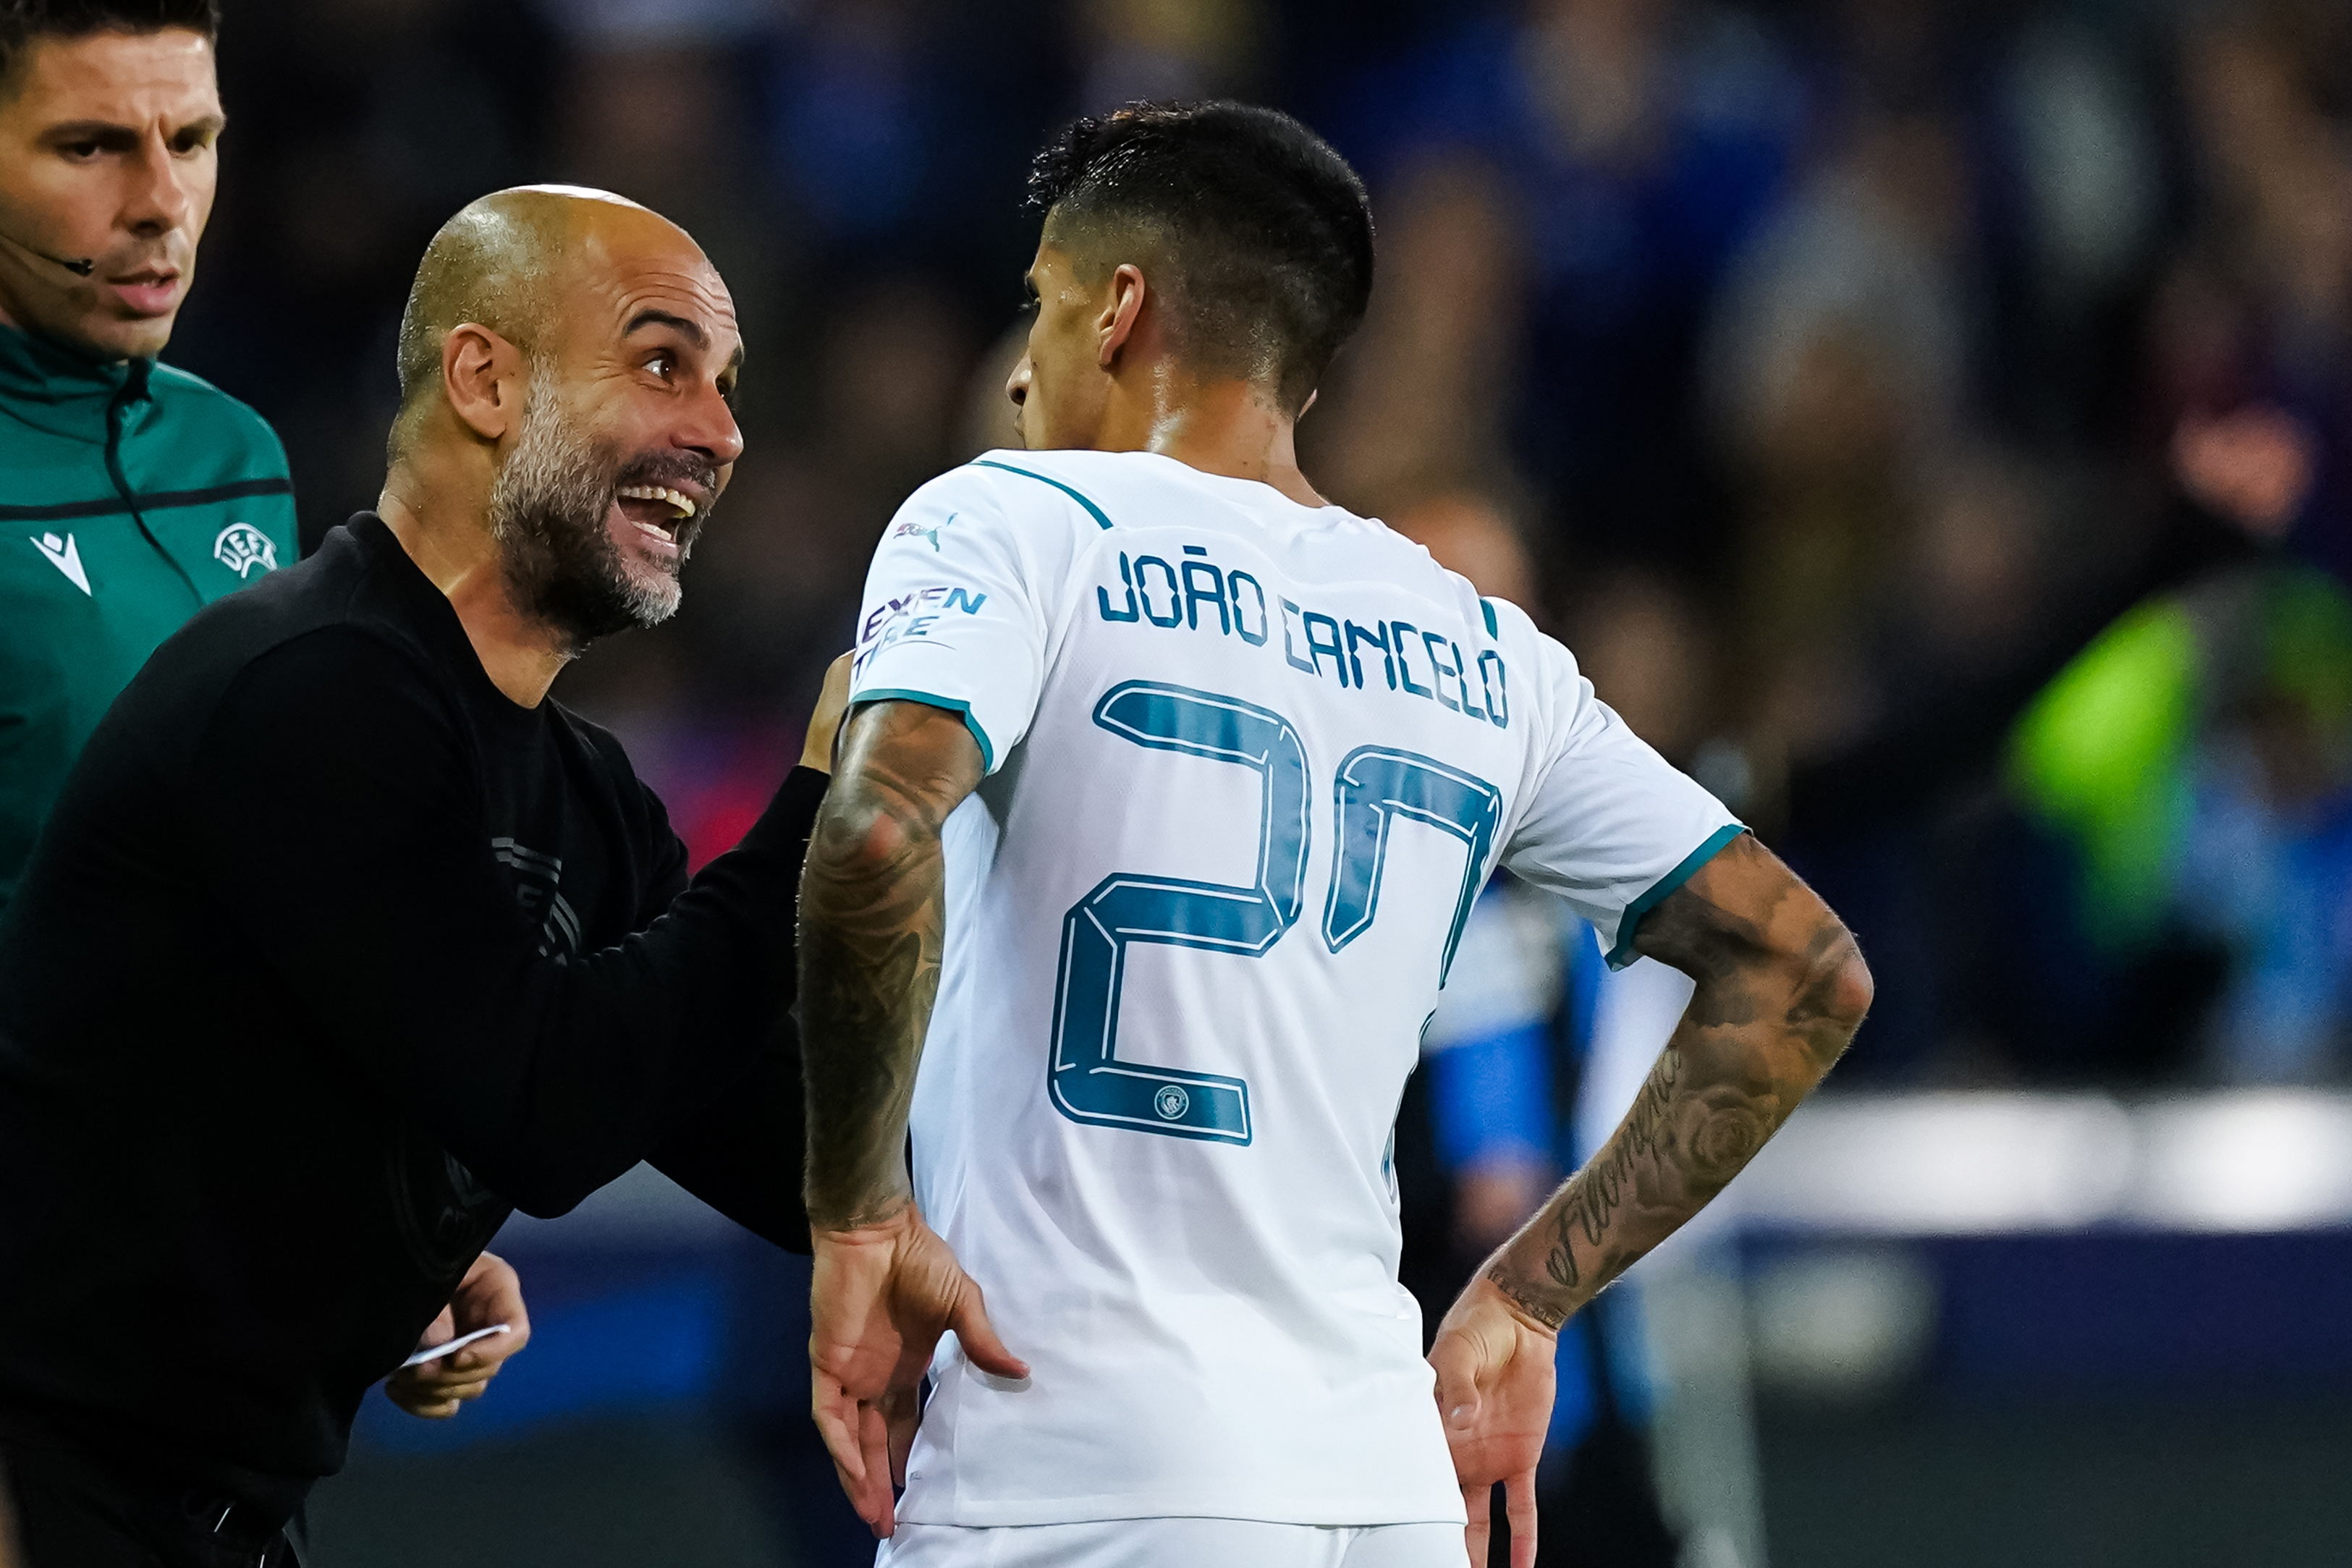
(1624, 954)
(1092, 510)
(954, 705)
(1488, 608)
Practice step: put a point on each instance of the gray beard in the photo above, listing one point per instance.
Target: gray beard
(548, 511)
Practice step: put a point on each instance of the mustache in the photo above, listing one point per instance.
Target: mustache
(677, 470)
(140, 255)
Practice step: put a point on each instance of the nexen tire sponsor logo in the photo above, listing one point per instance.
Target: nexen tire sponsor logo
(912, 615)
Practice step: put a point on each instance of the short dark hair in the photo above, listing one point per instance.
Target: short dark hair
(1266, 231)
(22, 21)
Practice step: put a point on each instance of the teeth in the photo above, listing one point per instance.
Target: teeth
(682, 505)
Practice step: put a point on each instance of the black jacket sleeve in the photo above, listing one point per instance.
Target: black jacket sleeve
(375, 898)
(742, 1152)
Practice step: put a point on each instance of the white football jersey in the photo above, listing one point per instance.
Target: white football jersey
(1249, 764)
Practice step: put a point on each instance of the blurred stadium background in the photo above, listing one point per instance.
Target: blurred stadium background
(1829, 375)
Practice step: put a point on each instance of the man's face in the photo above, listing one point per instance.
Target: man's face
(1059, 389)
(109, 153)
(628, 435)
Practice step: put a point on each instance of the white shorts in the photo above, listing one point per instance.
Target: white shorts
(1174, 1543)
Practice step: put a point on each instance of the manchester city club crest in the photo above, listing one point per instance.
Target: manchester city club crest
(1172, 1102)
(242, 547)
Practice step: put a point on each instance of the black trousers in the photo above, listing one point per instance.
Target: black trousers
(75, 1510)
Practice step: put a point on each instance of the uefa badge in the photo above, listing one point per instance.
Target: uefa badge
(242, 547)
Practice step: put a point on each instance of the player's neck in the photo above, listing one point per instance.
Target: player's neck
(452, 546)
(1226, 427)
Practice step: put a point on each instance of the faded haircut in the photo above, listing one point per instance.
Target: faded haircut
(1263, 232)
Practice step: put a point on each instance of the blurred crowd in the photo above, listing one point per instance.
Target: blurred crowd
(1927, 421)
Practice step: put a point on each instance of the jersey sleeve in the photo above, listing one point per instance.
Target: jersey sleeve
(957, 611)
(1608, 824)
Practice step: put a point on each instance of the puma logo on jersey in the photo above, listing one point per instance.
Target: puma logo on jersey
(242, 547)
(66, 555)
(912, 528)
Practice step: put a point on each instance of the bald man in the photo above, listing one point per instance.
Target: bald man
(345, 941)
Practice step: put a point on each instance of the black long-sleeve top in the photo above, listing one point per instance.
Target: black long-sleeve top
(330, 956)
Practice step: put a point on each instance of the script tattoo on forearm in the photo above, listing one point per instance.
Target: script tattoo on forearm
(871, 920)
(1781, 990)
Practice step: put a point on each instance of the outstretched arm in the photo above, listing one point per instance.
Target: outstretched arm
(872, 924)
(743, 1152)
(573, 1071)
(1781, 988)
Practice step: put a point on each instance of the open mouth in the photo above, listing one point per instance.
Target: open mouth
(658, 512)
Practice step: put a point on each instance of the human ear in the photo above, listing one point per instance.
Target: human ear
(483, 375)
(1127, 292)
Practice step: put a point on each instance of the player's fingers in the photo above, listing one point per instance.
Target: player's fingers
(858, 1489)
(903, 1410)
(445, 1388)
(978, 1337)
(443, 1329)
(1456, 1365)
(1519, 1508)
(825, 724)
(849, 1487)
(836, 1416)
(1459, 1408)
(1478, 1501)
(485, 1355)
(876, 1505)
(438, 1379)
(411, 1395)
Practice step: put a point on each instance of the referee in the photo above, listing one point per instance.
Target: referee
(345, 941)
(130, 493)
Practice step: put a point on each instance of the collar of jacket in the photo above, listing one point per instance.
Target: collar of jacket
(51, 387)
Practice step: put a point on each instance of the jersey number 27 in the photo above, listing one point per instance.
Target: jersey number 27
(1375, 787)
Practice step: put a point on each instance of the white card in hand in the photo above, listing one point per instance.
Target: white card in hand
(449, 1347)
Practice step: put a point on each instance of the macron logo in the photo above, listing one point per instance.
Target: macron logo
(65, 556)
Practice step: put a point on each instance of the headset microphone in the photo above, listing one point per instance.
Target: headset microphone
(79, 268)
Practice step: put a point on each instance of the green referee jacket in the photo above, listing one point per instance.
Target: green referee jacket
(130, 495)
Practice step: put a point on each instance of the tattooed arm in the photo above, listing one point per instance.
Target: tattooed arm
(1781, 989)
(873, 914)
